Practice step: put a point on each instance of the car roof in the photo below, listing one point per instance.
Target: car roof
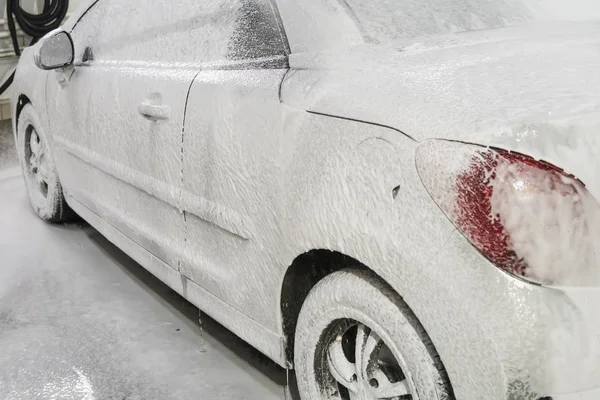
(313, 25)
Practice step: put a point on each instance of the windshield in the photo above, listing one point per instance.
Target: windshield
(387, 20)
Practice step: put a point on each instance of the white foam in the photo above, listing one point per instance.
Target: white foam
(553, 223)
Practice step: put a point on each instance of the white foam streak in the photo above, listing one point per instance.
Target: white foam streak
(552, 223)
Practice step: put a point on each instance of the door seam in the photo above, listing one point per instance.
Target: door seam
(181, 160)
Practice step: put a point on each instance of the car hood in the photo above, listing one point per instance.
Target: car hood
(533, 89)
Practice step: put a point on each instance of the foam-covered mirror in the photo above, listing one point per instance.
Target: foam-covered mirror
(55, 51)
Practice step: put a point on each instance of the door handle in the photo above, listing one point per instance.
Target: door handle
(153, 110)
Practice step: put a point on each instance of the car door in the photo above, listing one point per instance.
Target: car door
(120, 117)
(233, 141)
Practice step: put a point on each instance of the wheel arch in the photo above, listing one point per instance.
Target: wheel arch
(304, 273)
(22, 101)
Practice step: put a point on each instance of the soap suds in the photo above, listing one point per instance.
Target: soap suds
(552, 222)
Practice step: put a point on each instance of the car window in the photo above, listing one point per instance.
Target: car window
(388, 20)
(179, 31)
(257, 33)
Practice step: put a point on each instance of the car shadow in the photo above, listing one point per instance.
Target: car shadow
(192, 314)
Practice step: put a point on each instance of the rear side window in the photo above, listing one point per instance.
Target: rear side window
(257, 33)
(179, 31)
(383, 21)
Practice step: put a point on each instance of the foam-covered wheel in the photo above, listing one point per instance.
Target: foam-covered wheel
(43, 186)
(357, 340)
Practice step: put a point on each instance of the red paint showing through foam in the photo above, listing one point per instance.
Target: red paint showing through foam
(474, 209)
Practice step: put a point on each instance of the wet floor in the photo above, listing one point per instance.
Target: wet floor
(8, 153)
(81, 320)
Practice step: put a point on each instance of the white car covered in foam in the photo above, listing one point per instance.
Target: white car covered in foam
(396, 199)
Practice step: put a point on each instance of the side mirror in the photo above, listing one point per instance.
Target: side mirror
(55, 51)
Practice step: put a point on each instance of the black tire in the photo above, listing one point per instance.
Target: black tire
(45, 193)
(355, 298)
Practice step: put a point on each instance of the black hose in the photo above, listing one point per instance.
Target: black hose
(7, 83)
(34, 25)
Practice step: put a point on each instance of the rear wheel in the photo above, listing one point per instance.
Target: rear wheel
(43, 186)
(357, 340)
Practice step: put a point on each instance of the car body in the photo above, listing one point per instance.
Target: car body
(240, 168)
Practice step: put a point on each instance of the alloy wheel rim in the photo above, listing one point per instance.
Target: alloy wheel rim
(38, 169)
(359, 365)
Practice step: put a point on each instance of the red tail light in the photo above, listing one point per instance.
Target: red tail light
(476, 185)
(528, 217)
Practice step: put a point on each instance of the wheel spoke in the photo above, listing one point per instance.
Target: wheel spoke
(393, 390)
(38, 178)
(387, 389)
(34, 147)
(367, 345)
(33, 161)
(342, 370)
(34, 143)
(359, 346)
(43, 171)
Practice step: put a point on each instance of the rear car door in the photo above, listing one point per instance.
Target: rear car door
(120, 117)
(233, 141)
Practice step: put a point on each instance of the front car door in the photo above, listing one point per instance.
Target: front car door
(119, 118)
(233, 152)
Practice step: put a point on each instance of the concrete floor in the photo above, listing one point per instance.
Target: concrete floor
(81, 320)
(8, 153)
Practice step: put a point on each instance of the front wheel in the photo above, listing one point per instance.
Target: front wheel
(357, 340)
(44, 189)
